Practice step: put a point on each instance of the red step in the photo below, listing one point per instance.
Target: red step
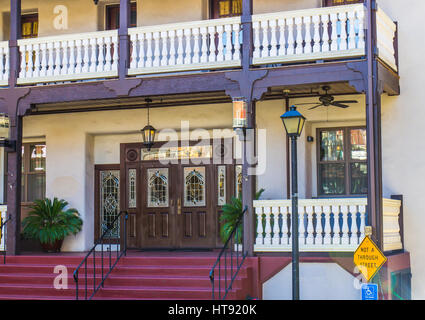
(135, 277)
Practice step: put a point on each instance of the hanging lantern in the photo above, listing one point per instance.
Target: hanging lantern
(240, 111)
(148, 131)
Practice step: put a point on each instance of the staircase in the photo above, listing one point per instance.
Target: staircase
(178, 277)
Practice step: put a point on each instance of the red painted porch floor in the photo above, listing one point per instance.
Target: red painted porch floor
(165, 275)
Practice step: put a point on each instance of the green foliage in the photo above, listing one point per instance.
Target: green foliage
(49, 221)
(230, 214)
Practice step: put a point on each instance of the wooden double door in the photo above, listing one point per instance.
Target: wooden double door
(173, 206)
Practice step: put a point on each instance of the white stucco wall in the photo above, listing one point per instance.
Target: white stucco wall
(318, 281)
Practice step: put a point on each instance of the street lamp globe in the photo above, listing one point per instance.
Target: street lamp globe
(293, 122)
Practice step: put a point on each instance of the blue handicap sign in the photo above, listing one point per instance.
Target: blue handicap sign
(369, 291)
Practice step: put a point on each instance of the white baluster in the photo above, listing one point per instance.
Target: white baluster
(36, 72)
(362, 210)
(220, 46)
(50, 61)
(267, 229)
(213, 49)
(229, 35)
(345, 238)
(30, 64)
(325, 36)
(282, 40)
(108, 56)
(71, 68)
(164, 51)
(43, 57)
(334, 30)
(57, 68)
(301, 226)
(310, 226)
(133, 44)
(316, 36)
(85, 58)
(115, 55)
(276, 237)
(299, 47)
(172, 35)
(180, 51)
(156, 51)
(291, 41)
(319, 229)
(308, 39)
(343, 21)
(188, 47)
(65, 58)
(257, 44)
(284, 212)
(236, 43)
(273, 40)
(149, 50)
(142, 54)
(352, 30)
(259, 239)
(336, 238)
(264, 38)
(327, 239)
(291, 216)
(361, 35)
(79, 58)
(93, 57)
(7, 64)
(196, 46)
(2, 74)
(101, 56)
(204, 45)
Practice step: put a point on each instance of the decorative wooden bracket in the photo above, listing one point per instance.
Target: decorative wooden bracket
(122, 88)
(246, 81)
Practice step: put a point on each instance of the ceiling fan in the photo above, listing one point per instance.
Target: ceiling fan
(327, 100)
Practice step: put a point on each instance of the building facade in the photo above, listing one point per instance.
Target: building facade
(80, 80)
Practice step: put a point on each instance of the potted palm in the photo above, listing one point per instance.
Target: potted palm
(50, 222)
(230, 214)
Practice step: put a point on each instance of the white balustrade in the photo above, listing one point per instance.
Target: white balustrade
(324, 224)
(68, 57)
(312, 34)
(208, 44)
(4, 63)
(3, 215)
(386, 31)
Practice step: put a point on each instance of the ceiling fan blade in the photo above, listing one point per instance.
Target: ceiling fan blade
(346, 101)
(339, 105)
(319, 105)
(305, 104)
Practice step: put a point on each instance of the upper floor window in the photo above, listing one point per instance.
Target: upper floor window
(226, 8)
(29, 24)
(342, 162)
(33, 171)
(113, 16)
(329, 3)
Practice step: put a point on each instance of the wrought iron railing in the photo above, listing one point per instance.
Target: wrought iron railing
(105, 241)
(229, 262)
(3, 235)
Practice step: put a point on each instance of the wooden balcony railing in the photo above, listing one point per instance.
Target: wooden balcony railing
(325, 225)
(329, 33)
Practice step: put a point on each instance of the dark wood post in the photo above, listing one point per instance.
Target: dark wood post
(124, 40)
(373, 127)
(15, 34)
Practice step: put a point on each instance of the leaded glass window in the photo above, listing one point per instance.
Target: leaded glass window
(221, 187)
(194, 187)
(132, 202)
(110, 202)
(158, 193)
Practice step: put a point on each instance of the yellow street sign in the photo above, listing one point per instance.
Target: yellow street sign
(368, 258)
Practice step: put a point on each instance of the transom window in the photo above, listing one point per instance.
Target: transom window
(29, 24)
(342, 162)
(226, 8)
(329, 3)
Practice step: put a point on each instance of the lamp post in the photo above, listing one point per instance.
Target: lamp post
(294, 123)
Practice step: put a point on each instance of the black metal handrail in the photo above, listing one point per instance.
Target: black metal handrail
(101, 241)
(229, 249)
(3, 233)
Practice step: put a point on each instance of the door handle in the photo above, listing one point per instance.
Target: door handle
(179, 207)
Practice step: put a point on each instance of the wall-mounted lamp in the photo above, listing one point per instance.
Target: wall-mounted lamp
(310, 139)
(5, 142)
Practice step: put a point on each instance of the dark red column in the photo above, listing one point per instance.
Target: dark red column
(124, 40)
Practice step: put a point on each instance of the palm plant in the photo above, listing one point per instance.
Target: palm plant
(49, 221)
(230, 214)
